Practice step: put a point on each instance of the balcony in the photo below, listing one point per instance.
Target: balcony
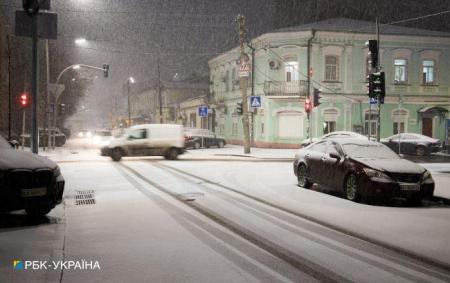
(280, 88)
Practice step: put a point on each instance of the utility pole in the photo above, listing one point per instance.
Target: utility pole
(379, 95)
(161, 120)
(47, 105)
(244, 82)
(9, 85)
(129, 107)
(34, 87)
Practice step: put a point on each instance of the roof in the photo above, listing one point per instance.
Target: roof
(358, 26)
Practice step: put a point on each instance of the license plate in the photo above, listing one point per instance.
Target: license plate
(410, 187)
(35, 192)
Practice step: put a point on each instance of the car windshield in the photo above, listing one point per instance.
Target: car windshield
(4, 144)
(369, 151)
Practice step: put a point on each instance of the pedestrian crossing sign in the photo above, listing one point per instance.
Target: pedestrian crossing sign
(255, 101)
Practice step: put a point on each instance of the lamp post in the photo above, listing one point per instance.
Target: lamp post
(58, 94)
(130, 80)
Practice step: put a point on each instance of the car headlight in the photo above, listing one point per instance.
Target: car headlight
(376, 174)
(56, 171)
(426, 177)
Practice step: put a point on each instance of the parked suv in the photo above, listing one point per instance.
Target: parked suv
(147, 140)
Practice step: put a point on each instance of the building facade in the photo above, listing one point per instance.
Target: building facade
(331, 56)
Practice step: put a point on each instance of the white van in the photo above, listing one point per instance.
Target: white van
(148, 140)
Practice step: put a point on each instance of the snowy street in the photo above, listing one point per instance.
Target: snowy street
(215, 214)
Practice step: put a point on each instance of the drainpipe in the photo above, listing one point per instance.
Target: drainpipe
(313, 34)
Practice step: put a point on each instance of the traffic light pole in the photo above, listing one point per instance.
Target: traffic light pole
(34, 87)
(378, 95)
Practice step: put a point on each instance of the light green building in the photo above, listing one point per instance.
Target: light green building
(333, 52)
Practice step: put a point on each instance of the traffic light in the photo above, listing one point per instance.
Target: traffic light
(377, 85)
(316, 98)
(105, 70)
(373, 52)
(61, 109)
(24, 100)
(308, 105)
(31, 7)
(239, 108)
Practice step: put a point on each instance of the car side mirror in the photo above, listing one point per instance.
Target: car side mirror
(335, 155)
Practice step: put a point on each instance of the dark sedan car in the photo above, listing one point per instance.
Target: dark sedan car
(197, 138)
(362, 170)
(412, 144)
(28, 181)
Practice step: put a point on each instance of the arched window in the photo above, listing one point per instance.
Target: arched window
(331, 68)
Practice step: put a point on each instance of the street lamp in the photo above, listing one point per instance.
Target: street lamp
(76, 67)
(130, 80)
(80, 41)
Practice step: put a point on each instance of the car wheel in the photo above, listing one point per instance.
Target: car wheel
(421, 150)
(351, 188)
(37, 211)
(196, 145)
(302, 180)
(220, 144)
(116, 154)
(172, 154)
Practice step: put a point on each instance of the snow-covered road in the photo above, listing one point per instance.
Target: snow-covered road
(230, 219)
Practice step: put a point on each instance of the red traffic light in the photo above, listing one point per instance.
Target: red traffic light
(24, 100)
(308, 105)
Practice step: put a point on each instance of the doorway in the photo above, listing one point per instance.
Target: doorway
(427, 127)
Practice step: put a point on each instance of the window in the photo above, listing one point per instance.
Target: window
(328, 127)
(331, 68)
(370, 123)
(399, 119)
(400, 71)
(233, 79)
(291, 69)
(319, 147)
(193, 120)
(226, 81)
(234, 129)
(428, 72)
(399, 127)
(138, 134)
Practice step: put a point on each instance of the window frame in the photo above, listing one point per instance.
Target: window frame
(330, 65)
(405, 81)
(433, 75)
(293, 73)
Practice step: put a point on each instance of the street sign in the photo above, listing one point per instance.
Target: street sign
(375, 101)
(244, 69)
(203, 111)
(47, 25)
(255, 101)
